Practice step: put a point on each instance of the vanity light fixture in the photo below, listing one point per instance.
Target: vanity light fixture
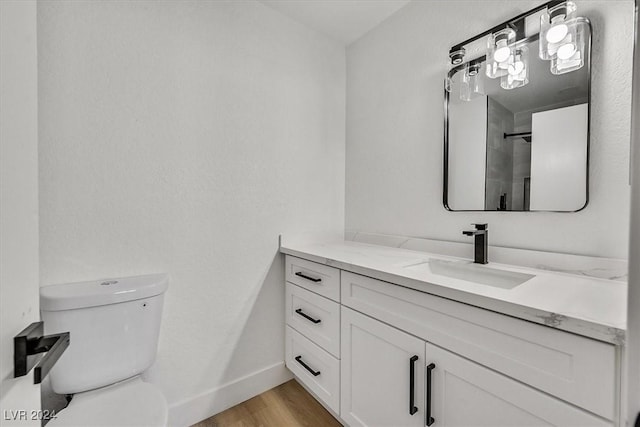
(554, 28)
(471, 85)
(500, 51)
(570, 56)
(456, 57)
(562, 37)
(517, 71)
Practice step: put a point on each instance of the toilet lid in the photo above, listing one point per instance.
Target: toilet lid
(128, 403)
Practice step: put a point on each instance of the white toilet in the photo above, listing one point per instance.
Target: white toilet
(114, 326)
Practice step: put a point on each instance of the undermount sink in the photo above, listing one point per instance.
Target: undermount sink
(476, 273)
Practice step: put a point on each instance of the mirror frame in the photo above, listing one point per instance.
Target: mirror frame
(532, 38)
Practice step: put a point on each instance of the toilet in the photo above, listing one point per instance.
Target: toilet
(114, 326)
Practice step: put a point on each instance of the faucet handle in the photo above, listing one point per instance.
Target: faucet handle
(480, 226)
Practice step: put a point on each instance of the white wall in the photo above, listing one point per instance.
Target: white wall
(633, 303)
(395, 130)
(18, 201)
(183, 137)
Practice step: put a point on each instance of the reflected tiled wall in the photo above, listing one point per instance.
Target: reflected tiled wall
(499, 155)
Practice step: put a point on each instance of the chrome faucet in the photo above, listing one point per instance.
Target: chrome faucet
(481, 242)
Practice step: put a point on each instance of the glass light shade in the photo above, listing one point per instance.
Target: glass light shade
(571, 53)
(455, 59)
(471, 85)
(500, 50)
(555, 28)
(517, 71)
(448, 83)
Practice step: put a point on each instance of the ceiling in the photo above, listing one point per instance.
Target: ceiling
(343, 20)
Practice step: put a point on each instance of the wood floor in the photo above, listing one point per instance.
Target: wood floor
(288, 405)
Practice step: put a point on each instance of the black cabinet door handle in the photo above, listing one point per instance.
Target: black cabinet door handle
(304, 276)
(306, 316)
(412, 375)
(305, 366)
(430, 419)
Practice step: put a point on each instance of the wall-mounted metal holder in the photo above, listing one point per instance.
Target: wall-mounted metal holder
(524, 135)
(28, 347)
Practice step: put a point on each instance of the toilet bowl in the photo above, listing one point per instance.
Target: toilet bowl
(131, 402)
(114, 326)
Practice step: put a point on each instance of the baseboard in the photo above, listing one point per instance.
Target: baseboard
(190, 411)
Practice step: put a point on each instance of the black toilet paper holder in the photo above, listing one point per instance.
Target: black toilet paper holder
(30, 344)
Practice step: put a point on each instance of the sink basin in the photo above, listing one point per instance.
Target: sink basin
(476, 273)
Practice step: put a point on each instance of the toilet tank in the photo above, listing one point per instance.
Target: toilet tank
(114, 326)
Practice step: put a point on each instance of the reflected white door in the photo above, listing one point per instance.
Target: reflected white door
(19, 398)
(559, 159)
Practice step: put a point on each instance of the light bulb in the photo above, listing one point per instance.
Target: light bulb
(557, 32)
(502, 53)
(516, 68)
(566, 51)
(518, 71)
(500, 46)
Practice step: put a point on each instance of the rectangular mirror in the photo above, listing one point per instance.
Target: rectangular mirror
(520, 148)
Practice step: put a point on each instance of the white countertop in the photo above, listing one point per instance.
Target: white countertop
(591, 307)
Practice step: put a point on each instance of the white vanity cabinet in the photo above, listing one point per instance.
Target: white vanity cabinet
(578, 370)
(382, 379)
(464, 393)
(411, 358)
(312, 336)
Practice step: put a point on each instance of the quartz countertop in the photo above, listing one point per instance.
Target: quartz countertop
(591, 307)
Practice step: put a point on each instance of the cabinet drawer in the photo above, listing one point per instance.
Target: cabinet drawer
(316, 368)
(318, 278)
(578, 370)
(464, 393)
(315, 317)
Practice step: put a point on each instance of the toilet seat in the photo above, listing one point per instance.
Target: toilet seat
(128, 403)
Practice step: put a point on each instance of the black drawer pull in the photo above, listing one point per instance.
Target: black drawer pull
(304, 276)
(305, 366)
(306, 316)
(412, 374)
(430, 419)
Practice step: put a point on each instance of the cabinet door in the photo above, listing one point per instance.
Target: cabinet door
(382, 378)
(463, 393)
